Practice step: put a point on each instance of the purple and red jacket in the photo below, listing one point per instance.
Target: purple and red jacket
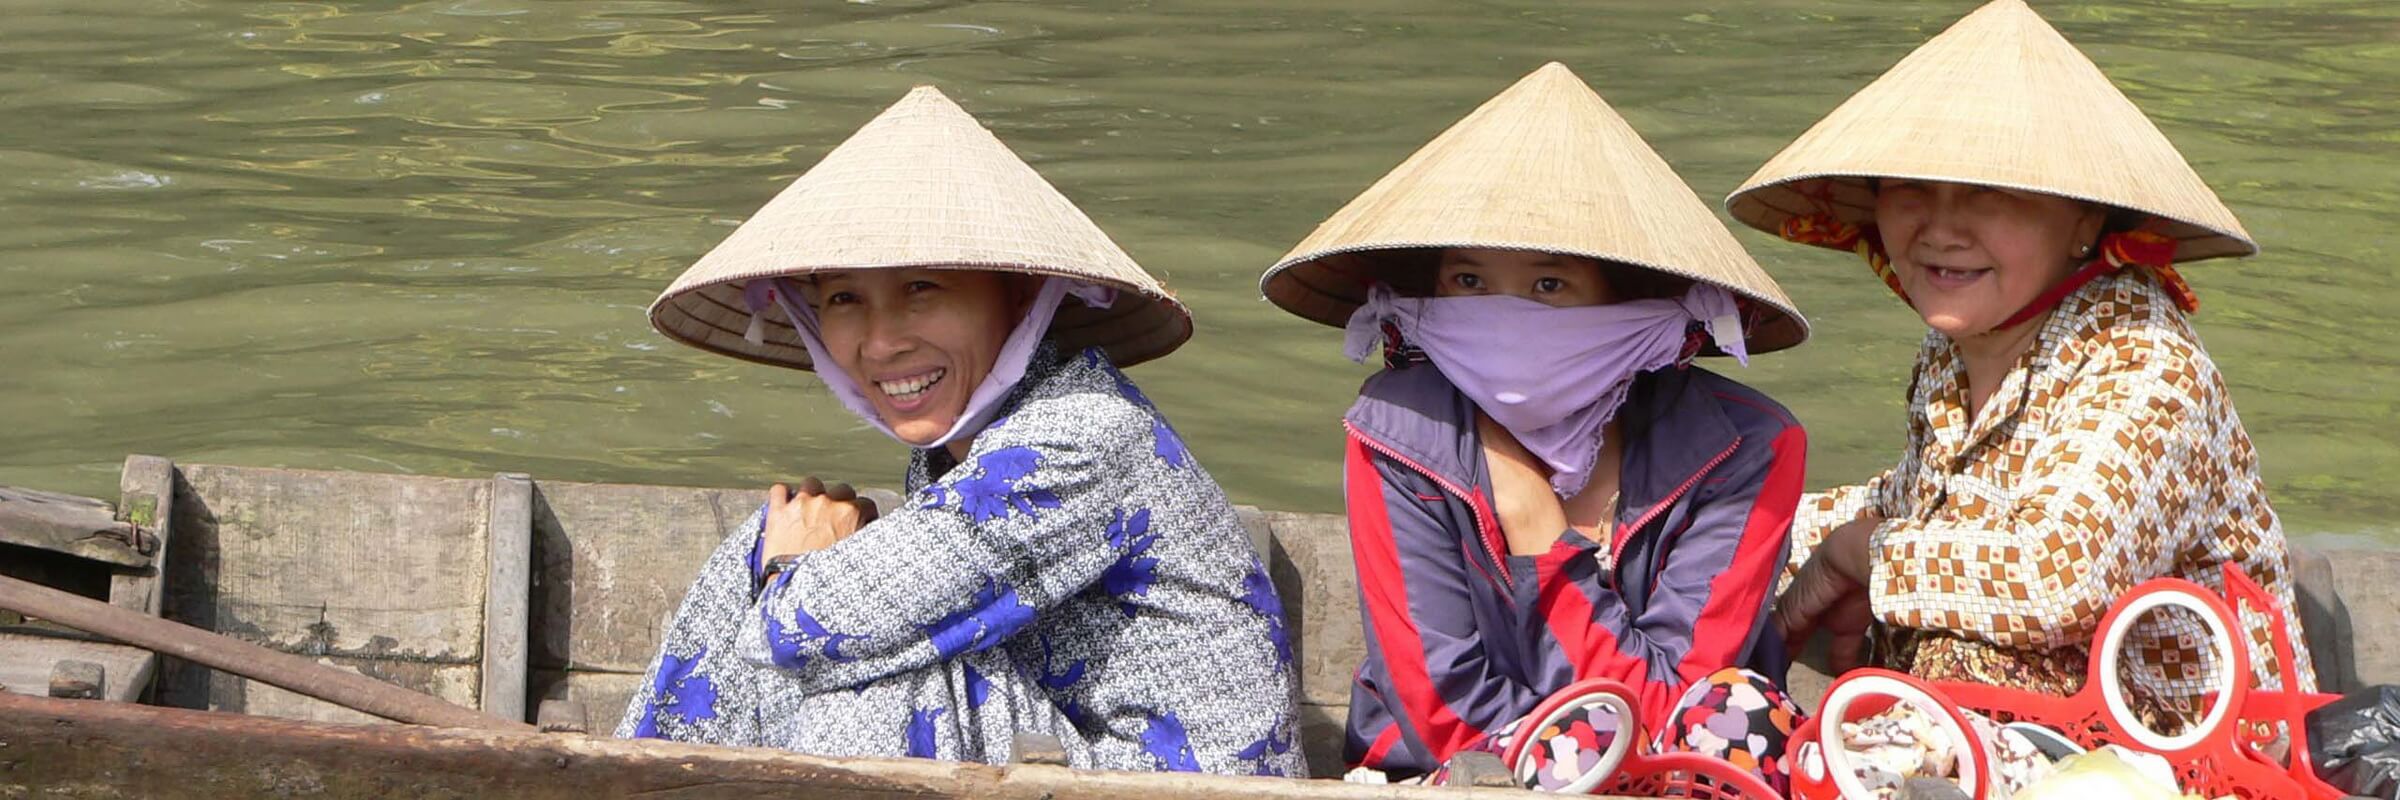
(1463, 637)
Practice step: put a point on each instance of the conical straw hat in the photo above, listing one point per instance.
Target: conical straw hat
(1547, 166)
(1999, 99)
(922, 185)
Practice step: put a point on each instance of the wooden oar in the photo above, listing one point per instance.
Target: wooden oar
(242, 658)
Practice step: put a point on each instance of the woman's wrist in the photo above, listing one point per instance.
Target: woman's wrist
(772, 566)
(1852, 549)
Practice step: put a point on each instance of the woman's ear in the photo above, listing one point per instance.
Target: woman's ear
(2089, 226)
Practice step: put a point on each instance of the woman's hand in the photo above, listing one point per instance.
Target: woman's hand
(1531, 517)
(812, 518)
(1830, 594)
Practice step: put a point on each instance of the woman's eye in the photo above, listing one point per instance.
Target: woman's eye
(1906, 196)
(1467, 280)
(840, 298)
(922, 286)
(1992, 198)
(1548, 285)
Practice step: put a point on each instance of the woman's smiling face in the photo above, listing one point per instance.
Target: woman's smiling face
(916, 341)
(1971, 256)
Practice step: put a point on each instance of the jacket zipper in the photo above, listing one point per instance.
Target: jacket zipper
(1617, 549)
(1484, 525)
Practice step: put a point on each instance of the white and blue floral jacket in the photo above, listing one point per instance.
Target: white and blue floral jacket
(1080, 576)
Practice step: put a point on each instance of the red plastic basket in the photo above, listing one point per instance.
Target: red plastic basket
(2222, 755)
(1819, 764)
(1686, 775)
(1632, 773)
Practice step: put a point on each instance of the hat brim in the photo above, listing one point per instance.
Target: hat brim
(1328, 286)
(1850, 198)
(1139, 326)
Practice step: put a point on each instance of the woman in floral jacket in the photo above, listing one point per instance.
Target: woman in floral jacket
(2068, 437)
(1060, 563)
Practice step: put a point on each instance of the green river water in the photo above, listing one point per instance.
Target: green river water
(418, 237)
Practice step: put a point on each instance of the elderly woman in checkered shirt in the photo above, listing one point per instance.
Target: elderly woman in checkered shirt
(2068, 437)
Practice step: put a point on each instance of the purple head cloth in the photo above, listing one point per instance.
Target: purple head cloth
(1551, 376)
(1015, 354)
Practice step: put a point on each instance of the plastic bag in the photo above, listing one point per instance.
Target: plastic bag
(2104, 773)
(2355, 742)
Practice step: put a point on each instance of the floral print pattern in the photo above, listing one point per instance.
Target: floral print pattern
(679, 694)
(998, 488)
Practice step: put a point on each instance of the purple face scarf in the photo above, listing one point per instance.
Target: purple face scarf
(1551, 376)
(1007, 368)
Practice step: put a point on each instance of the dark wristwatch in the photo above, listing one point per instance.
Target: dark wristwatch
(767, 570)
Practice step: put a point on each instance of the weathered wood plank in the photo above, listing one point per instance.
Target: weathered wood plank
(233, 655)
(65, 523)
(26, 659)
(351, 565)
(2370, 587)
(1311, 565)
(2326, 616)
(146, 501)
(507, 591)
(601, 695)
(456, 684)
(110, 751)
(614, 560)
(1322, 732)
(1308, 555)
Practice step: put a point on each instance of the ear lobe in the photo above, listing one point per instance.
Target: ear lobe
(2087, 227)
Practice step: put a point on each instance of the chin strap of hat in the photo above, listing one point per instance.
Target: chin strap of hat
(2135, 248)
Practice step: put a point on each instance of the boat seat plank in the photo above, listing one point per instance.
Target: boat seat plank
(65, 523)
(26, 659)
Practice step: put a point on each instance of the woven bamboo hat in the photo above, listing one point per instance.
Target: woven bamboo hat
(1547, 166)
(1999, 99)
(922, 185)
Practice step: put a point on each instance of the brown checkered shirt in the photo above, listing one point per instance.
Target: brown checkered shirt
(2110, 455)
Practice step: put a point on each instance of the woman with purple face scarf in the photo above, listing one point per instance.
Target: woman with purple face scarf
(1059, 563)
(1542, 488)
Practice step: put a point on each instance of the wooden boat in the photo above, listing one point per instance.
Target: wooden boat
(536, 600)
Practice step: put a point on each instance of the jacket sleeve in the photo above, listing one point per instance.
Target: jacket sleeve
(1708, 597)
(2041, 572)
(964, 564)
(1429, 690)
